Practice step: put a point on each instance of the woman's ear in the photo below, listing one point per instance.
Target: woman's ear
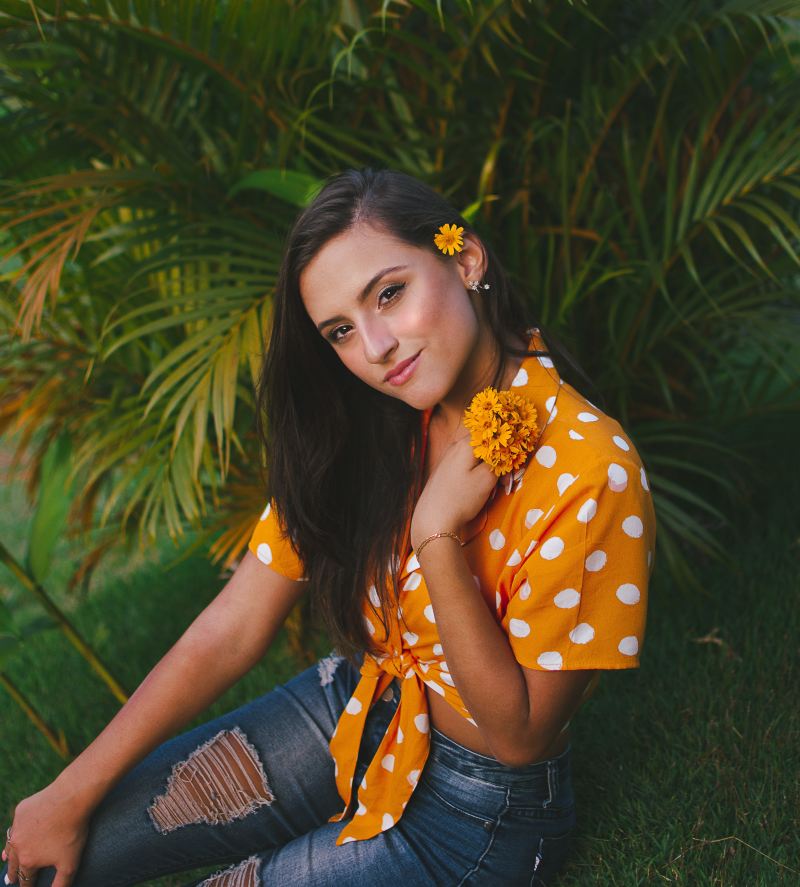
(471, 260)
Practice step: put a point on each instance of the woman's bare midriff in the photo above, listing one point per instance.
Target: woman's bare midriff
(448, 721)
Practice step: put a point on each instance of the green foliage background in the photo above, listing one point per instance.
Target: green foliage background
(637, 165)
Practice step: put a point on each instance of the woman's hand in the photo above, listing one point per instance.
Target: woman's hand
(47, 830)
(457, 489)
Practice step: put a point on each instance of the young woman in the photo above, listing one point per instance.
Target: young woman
(471, 612)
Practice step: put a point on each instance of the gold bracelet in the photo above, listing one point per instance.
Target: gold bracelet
(436, 536)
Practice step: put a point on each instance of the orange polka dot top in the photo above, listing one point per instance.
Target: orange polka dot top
(561, 553)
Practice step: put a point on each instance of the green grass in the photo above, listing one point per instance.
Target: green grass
(686, 771)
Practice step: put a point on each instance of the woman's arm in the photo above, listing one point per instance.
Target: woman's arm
(479, 655)
(481, 661)
(242, 621)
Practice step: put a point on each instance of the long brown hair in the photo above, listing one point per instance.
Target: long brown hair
(341, 457)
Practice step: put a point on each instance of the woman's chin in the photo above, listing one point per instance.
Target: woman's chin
(417, 403)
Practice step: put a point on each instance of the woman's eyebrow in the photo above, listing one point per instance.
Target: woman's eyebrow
(362, 295)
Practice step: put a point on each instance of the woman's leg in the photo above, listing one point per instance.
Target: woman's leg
(313, 859)
(469, 821)
(253, 792)
(253, 779)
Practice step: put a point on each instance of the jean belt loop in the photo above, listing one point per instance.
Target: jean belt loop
(551, 779)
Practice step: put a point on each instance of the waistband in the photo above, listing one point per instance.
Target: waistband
(458, 757)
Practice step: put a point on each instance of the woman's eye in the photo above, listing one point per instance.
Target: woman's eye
(332, 335)
(390, 292)
(386, 295)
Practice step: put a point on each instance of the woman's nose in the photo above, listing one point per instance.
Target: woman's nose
(379, 341)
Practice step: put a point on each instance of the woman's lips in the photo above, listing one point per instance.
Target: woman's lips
(405, 373)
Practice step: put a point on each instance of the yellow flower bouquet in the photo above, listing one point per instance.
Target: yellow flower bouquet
(503, 429)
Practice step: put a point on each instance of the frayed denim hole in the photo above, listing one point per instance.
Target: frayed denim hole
(243, 874)
(219, 782)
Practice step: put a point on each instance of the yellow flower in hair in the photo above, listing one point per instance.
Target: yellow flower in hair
(450, 240)
(503, 429)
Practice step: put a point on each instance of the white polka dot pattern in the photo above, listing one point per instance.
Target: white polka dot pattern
(582, 603)
(567, 598)
(582, 633)
(497, 540)
(546, 456)
(617, 477)
(552, 548)
(519, 628)
(412, 582)
(587, 511)
(271, 547)
(632, 526)
(628, 593)
(550, 660)
(532, 516)
(373, 597)
(596, 561)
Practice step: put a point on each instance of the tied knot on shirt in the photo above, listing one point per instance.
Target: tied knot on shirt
(400, 664)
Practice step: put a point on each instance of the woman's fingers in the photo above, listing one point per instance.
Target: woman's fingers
(18, 872)
(12, 875)
(24, 876)
(63, 878)
(47, 832)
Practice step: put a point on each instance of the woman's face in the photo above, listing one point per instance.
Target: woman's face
(379, 301)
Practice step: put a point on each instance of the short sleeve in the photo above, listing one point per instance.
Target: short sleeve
(579, 597)
(272, 547)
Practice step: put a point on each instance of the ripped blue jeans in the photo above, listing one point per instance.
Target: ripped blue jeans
(252, 792)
